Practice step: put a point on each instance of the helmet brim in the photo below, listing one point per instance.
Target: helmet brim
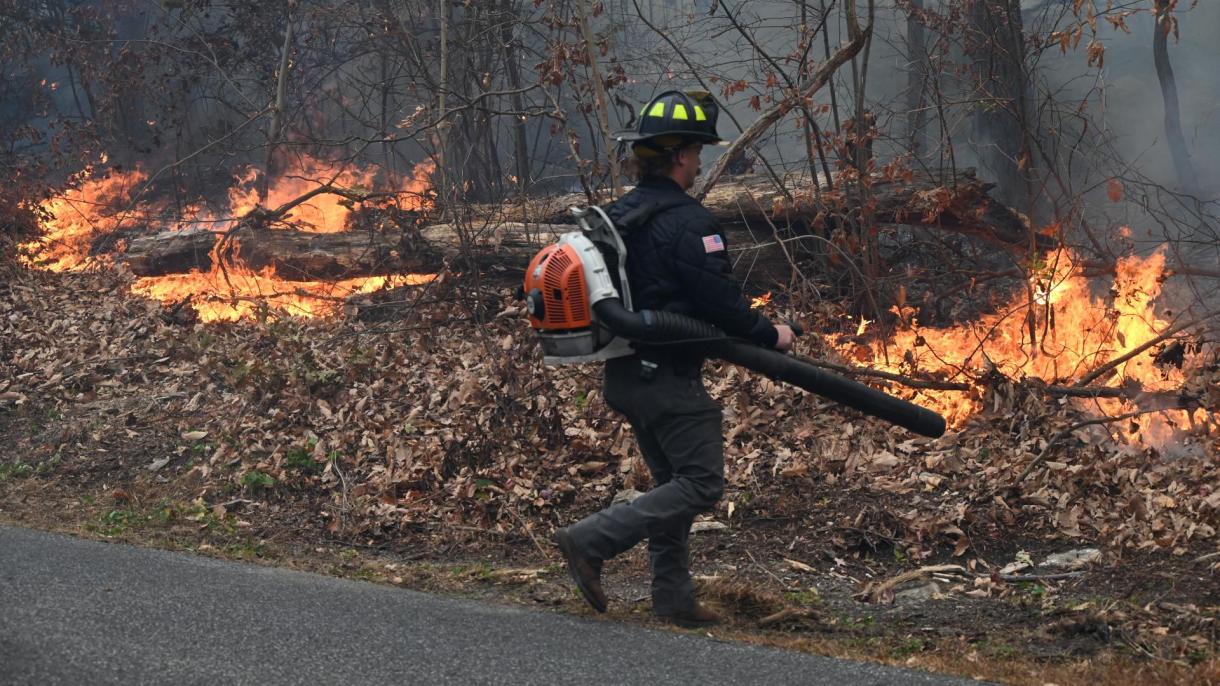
(635, 137)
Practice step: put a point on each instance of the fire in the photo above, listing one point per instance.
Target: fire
(246, 294)
(106, 204)
(325, 213)
(1056, 331)
(77, 218)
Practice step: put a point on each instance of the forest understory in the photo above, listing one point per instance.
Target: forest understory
(435, 452)
(259, 299)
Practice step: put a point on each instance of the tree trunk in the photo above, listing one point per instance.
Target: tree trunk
(508, 19)
(387, 148)
(442, 123)
(917, 81)
(277, 116)
(996, 43)
(599, 89)
(1169, 93)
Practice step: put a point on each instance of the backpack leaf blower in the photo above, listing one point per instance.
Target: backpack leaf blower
(572, 297)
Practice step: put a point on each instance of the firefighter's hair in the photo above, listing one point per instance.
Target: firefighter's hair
(655, 157)
(637, 167)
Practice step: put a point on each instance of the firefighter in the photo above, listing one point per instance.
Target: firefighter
(677, 261)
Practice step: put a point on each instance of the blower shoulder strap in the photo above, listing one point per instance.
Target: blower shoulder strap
(644, 213)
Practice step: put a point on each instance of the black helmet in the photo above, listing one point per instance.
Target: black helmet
(673, 119)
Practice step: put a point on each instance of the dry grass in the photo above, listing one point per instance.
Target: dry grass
(972, 661)
(739, 599)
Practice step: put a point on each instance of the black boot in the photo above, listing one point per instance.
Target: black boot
(585, 571)
(697, 616)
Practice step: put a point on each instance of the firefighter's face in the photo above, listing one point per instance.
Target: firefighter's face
(686, 167)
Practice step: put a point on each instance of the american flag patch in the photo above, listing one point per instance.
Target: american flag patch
(713, 243)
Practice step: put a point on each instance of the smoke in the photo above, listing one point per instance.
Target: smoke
(1123, 101)
(1127, 105)
(660, 46)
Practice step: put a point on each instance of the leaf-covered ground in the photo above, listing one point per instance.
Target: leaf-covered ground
(432, 448)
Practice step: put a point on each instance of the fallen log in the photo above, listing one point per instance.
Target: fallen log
(170, 252)
(303, 256)
(962, 207)
(492, 243)
(306, 256)
(295, 255)
(753, 202)
(751, 210)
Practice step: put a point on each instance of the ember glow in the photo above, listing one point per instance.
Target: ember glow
(1067, 332)
(247, 294)
(106, 204)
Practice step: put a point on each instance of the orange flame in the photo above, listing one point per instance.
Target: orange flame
(101, 205)
(1056, 331)
(77, 218)
(246, 294)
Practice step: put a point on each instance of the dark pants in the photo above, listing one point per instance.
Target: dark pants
(678, 427)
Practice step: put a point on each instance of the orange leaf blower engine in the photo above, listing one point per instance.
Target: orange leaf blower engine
(567, 280)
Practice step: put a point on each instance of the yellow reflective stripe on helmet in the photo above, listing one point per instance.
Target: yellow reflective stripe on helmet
(679, 111)
(699, 115)
(658, 110)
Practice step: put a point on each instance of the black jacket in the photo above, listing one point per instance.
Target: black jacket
(678, 261)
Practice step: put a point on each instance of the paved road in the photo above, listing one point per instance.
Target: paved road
(83, 612)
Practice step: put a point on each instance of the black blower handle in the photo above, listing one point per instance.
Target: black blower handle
(660, 327)
(780, 367)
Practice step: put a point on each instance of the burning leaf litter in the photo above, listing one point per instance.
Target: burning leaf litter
(106, 204)
(1057, 332)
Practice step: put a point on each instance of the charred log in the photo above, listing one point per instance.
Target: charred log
(171, 252)
(295, 255)
(751, 209)
(302, 256)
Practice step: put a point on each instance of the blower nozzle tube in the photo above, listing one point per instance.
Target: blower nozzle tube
(651, 326)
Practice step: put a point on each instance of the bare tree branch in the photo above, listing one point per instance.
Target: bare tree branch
(858, 37)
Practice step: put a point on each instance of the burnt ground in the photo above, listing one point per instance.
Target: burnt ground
(780, 572)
